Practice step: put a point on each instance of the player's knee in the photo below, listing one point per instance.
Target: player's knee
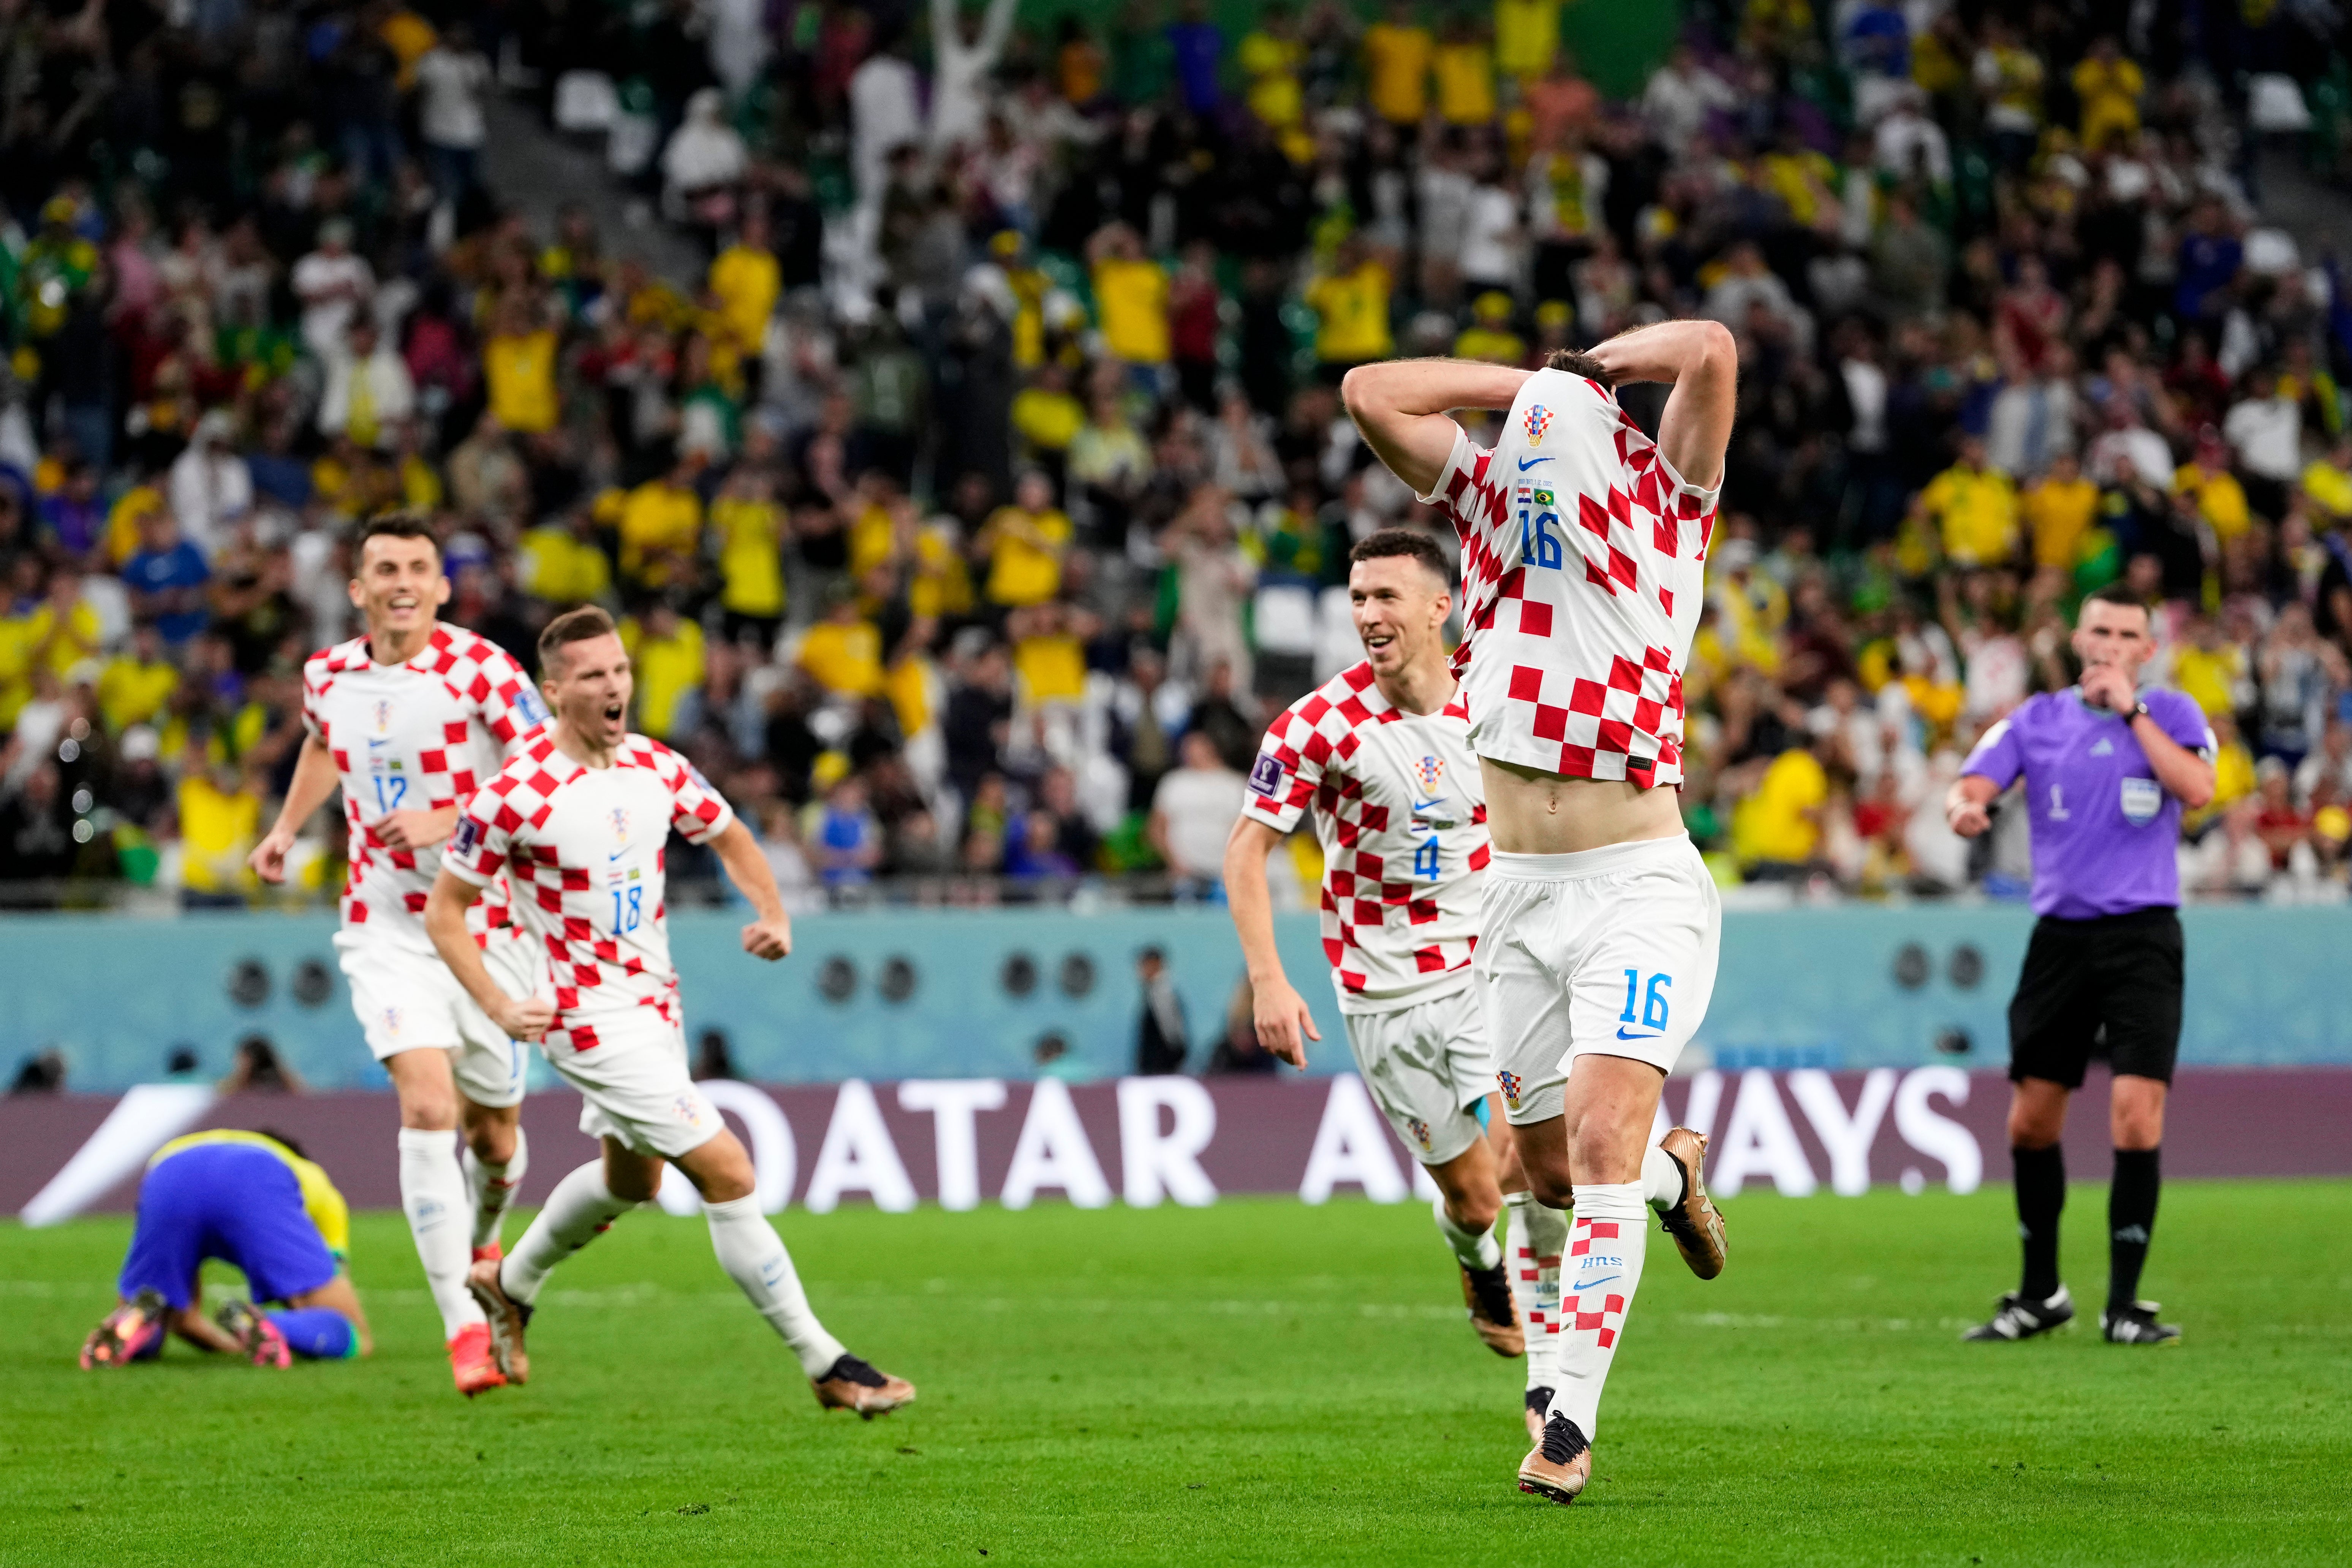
(428, 1108)
(490, 1133)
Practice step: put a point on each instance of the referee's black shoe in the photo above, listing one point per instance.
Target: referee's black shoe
(2136, 1325)
(2019, 1319)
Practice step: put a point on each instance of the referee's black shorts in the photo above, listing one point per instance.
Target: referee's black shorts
(2119, 971)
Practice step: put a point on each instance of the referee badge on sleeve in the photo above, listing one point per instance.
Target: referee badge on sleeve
(2142, 798)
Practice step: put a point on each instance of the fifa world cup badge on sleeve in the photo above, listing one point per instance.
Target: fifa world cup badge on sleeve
(469, 834)
(1266, 775)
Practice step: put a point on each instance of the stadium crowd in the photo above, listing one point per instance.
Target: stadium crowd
(973, 507)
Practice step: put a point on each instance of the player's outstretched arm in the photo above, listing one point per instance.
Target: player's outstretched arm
(769, 936)
(1282, 1013)
(522, 1017)
(1701, 360)
(1403, 408)
(315, 778)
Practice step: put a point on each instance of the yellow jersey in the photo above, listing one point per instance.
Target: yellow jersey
(1396, 62)
(751, 561)
(1132, 298)
(1354, 311)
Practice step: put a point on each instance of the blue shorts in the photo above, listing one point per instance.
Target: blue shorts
(229, 1201)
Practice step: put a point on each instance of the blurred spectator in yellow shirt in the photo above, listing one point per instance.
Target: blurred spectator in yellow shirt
(1975, 509)
(671, 663)
(2206, 481)
(843, 652)
(1023, 544)
(661, 527)
(1268, 57)
(2327, 481)
(563, 563)
(2058, 510)
(1489, 336)
(1046, 416)
(2210, 668)
(1526, 37)
(1465, 66)
(1351, 302)
(134, 684)
(1397, 54)
(750, 528)
(1777, 827)
(2109, 86)
(220, 821)
(518, 363)
(1130, 297)
(746, 280)
(1049, 662)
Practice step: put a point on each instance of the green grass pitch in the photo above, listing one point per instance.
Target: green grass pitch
(1253, 1382)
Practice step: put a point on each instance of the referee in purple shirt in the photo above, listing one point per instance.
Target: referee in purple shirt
(2107, 770)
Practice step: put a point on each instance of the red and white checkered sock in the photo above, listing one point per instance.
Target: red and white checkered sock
(491, 1188)
(1597, 1277)
(1535, 1236)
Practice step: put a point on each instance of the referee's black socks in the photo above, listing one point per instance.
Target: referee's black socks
(2041, 1194)
(2131, 1216)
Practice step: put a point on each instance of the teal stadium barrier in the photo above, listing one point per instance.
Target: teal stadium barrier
(896, 994)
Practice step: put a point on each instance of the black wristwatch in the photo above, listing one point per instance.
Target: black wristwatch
(2139, 711)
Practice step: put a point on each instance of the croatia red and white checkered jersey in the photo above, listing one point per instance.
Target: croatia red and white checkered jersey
(414, 736)
(585, 849)
(1401, 812)
(1582, 571)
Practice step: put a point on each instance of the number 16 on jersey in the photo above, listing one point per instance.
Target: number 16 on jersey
(1538, 544)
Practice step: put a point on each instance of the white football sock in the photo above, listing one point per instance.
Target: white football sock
(1662, 1179)
(580, 1209)
(433, 1195)
(753, 1253)
(1598, 1278)
(1475, 1248)
(491, 1188)
(1537, 1235)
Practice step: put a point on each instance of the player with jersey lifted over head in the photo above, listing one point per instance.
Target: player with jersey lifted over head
(579, 822)
(408, 719)
(1583, 544)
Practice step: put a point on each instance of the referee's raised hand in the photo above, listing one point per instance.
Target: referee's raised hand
(2111, 687)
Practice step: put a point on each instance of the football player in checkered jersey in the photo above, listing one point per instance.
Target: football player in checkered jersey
(1380, 756)
(1583, 545)
(578, 823)
(406, 720)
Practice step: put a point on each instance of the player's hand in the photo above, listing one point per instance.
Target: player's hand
(1968, 818)
(2109, 687)
(268, 857)
(1281, 1018)
(768, 939)
(417, 829)
(524, 1017)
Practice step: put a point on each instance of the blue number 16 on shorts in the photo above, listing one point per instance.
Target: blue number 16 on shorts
(1652, 1001)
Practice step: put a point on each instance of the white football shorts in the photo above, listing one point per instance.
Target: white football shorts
(635, 1086)
(1427, 1066)
(407, 1000)
(1608, 952)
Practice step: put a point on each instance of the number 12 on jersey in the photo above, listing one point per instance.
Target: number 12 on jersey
(1538, 545)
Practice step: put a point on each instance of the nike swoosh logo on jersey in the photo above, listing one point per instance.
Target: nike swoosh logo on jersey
(1623, 1035)
(1421, 806)
(1527, 463)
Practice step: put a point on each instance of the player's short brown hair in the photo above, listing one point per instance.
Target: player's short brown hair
(1577, 364)
(1412, 542)
(2119, 593)
(581, 624)
(394, 525)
